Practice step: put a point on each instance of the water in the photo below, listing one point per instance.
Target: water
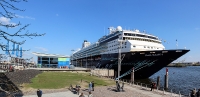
(181, 79)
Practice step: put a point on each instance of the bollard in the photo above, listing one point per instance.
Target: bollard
(171, 92)
(163, 91)
(146, 87)
(179, 94)
(189, 95)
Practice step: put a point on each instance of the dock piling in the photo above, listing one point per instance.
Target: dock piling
(166, 79)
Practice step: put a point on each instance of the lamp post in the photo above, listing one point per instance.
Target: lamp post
(76, 62)
(86, 60)
(72, 56)
(91, 61)
(119, 58)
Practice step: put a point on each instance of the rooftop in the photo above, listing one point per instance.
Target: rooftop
(49, 55)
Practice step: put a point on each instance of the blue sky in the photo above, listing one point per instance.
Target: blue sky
(67, 23)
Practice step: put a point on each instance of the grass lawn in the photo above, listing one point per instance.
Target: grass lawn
(56, 80)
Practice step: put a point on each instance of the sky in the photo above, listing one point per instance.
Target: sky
(67, 23)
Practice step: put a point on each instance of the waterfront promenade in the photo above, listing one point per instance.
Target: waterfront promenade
(109, 91)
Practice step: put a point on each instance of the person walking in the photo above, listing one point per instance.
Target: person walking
(39, 93)
(198, 93)
(152, 86)
(82, 95)
(90, 94)
(193, 93)
(92, 85)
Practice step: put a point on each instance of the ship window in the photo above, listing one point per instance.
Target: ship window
(134, 46)
(144, 46)
(125, 47)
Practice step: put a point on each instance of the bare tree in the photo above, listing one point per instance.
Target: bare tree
(8, 9)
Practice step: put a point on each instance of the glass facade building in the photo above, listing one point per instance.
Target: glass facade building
(52, 60)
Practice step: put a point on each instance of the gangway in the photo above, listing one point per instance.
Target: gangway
(135, 68)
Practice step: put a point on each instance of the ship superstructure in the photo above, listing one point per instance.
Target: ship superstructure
(134, 48)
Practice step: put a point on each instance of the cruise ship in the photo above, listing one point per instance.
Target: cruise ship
(129, 49)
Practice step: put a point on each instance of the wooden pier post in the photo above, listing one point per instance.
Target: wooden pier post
(158, 82)
(166, 78)
(132, 76)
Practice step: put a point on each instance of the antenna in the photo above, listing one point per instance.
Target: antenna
(104, 31)
(176, 44)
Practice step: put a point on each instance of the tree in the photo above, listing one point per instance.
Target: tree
(8, 7)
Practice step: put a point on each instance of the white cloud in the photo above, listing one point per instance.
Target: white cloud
(5, 21)
(41, 48)
(26, 17)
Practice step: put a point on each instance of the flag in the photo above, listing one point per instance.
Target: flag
(13, 51)
(20, 53)
(17, 49)
(7, 48)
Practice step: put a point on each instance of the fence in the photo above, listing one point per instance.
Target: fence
(144, 86)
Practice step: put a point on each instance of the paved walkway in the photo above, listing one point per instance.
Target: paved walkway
(58, 94)
(146, 91)
(142, 90)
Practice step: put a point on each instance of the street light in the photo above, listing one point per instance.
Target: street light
(72, 56)
(86, 60)
(91, 61)
(119, 58)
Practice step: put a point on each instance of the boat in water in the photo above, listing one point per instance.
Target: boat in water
(129, 49)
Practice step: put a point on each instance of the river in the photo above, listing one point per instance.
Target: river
(181, 79)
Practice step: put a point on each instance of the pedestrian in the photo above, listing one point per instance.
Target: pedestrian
(81, 95)
(118, 87)
(152, 84)
(193, 93)
(92, 85)
(198, 93)
(77, 89)
(39, 93)
(90, 94)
